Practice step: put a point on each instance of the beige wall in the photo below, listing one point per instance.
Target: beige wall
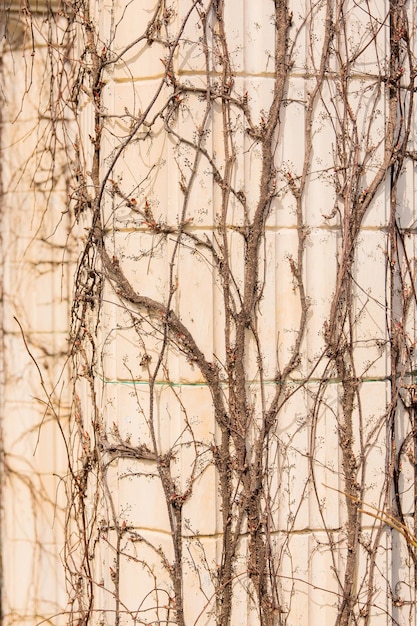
(36, 291)
(128, 410)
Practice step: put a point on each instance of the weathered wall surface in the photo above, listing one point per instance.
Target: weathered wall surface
(242, 434)
(36, 295)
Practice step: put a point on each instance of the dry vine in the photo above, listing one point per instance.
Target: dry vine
(288, 361)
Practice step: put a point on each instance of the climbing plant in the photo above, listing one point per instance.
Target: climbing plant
(242, 433)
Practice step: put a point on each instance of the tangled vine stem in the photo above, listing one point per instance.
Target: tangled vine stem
(193, 189)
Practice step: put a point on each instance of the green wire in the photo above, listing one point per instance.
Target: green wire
(290, 381)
